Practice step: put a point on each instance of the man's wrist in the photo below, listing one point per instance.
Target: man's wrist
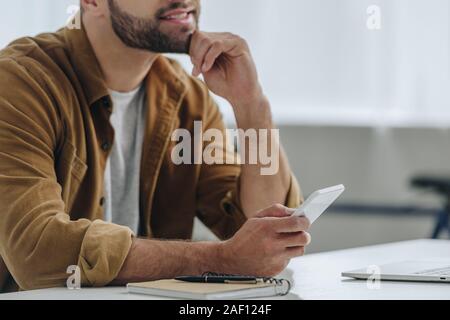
(214, 257)
(254, 114)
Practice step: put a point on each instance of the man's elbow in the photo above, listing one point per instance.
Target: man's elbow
(33, 272)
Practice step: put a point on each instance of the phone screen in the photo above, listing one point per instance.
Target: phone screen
(318, 202)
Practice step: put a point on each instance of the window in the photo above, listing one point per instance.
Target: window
(318, 61)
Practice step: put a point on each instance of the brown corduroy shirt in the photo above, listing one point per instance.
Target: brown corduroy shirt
(55, 138)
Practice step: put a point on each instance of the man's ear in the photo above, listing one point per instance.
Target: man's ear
(95, 8)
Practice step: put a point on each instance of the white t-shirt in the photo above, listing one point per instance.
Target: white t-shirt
(122, 173)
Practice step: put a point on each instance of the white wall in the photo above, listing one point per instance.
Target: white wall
(319, 63)
(28, 17)
(376, 167)
(317, 59)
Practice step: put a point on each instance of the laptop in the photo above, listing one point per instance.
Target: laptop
(423, 271)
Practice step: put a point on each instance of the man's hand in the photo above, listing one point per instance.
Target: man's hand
(265, 245)
(262, 247)
(227, 66)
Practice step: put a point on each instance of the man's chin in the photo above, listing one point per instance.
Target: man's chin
(180, 43)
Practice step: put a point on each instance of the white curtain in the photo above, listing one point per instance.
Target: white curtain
(318, 61)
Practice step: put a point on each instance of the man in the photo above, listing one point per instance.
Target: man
(86, 174)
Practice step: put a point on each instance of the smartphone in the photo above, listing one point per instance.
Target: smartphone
(318, 202)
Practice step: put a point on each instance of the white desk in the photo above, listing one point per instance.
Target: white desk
(315, 276)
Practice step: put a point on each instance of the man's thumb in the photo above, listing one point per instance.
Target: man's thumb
(277, 210)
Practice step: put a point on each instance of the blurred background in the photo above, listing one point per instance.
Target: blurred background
(369, 108)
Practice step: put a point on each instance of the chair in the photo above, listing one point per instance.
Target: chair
(441, 186)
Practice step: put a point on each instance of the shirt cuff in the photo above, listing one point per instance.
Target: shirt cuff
(103, 252)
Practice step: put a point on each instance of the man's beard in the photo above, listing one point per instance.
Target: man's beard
(145, 34)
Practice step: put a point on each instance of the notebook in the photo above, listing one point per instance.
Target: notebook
(211, 291)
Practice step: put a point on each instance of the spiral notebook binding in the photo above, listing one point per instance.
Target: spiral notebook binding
(280, 283)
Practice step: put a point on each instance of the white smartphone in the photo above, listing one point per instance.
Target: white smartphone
(318, 202)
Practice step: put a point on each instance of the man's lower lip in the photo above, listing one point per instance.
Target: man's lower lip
(185, 21)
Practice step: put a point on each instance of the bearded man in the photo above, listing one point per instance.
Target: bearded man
(86, 176)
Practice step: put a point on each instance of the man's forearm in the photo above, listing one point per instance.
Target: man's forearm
(229, 71)
(262, 247)
(259, 191)
(152, 259)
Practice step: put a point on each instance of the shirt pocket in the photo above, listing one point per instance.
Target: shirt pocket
(71, 171)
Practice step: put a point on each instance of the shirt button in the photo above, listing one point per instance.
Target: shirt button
(102, 201)
(106, 146)
(105, 102)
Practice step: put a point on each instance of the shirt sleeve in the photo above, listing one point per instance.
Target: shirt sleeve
(38, 240)
(219, 205)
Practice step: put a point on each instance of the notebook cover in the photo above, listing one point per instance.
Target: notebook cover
(175, 288)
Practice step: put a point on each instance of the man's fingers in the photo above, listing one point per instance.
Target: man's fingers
(291, 224)
(207, 47)
(298, 239)
(227, 46)
(195, 71)
(213, 53)
(277, 210)
(199, 47)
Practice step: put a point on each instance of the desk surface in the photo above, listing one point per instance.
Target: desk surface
(315, 276)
